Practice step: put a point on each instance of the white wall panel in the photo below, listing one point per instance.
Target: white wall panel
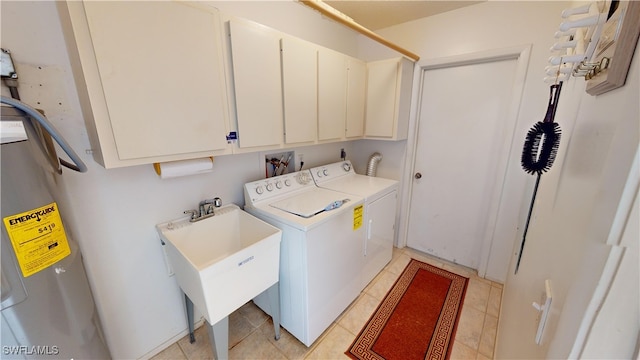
(577, 198)
(113, 212)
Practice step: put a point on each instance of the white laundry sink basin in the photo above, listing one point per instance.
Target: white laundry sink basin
(223, 261)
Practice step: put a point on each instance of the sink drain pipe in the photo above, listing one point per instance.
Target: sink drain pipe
(372, 166)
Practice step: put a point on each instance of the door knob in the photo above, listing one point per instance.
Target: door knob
(417, 175)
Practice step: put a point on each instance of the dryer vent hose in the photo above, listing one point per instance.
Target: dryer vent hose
(372, 166)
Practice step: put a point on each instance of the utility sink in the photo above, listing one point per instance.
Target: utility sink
(223, 261)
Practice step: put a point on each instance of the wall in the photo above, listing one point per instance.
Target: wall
(618, 316)
(577, 207)
(295, 19)
(466, 31)
(576, 200)
(113, 212)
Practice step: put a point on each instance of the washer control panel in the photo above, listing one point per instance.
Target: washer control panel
(269, 188)
(332, 171)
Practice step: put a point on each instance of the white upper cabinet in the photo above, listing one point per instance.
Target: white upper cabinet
(257, 79)
(150, 79)
(300, 89)
(356, 95)
(332, 94)
(389, 85)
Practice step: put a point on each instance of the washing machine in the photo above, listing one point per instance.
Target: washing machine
(320, 251)
(380, 204)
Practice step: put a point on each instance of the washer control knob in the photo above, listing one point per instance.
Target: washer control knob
(279, 184)
(269, 187)
(287, 182)
(259, 189)
(303, 177)
(346, 166)
(319, 173)
(325, 172)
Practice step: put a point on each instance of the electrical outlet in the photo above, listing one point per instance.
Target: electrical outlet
(300, 161)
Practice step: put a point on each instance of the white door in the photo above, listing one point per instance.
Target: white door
(380, 230)
(466, 123)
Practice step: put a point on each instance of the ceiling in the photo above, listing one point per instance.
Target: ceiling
(378, 14)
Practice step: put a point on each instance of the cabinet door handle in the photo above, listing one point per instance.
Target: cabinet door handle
(417, 175)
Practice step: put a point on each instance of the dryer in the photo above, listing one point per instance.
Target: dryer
(320, 253)
(380, 204)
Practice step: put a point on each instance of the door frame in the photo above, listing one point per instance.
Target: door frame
(615, 240)
(519, 53)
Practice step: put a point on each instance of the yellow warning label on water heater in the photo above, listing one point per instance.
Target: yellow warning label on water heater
(357, 217)
(38, 238)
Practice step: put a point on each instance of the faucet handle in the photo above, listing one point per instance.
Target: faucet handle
(217, 202)
(194, 214)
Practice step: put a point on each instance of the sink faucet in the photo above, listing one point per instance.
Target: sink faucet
(205, 209)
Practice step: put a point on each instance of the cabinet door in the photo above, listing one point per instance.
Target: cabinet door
(163, 86)
(356, 95)
(255, 51)
(389, 87)
(381, 98)
(403, 99)
(332, 94)
(300, 84)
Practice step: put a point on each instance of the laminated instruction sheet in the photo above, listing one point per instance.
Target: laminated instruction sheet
(357, 217)
(38, 238)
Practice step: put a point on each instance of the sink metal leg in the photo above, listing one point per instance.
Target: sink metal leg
(273, 294)
(189, 305)
(219, 332)
(219, 337)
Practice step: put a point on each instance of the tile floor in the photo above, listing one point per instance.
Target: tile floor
(251, 330)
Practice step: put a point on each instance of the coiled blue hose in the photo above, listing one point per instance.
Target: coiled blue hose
(77, 165)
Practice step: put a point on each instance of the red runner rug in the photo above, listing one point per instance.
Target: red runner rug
(417, 318)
